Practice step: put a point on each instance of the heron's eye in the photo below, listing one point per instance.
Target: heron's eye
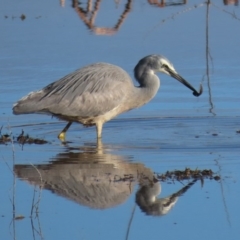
(165, 66)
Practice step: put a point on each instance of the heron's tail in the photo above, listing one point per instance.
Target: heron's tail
(29, 104)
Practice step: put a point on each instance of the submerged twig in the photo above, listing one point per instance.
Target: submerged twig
(14, 184)
(174, 15)
(233, 14)
(130, 222)
(223, 195)
(208, 56)
(35, 205)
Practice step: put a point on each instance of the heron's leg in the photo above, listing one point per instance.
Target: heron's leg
(62, 134)
(99, 129)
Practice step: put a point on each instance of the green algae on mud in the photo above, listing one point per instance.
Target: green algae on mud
(21, 139)
(187, 174)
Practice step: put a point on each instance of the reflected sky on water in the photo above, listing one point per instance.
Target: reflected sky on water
(110, 193)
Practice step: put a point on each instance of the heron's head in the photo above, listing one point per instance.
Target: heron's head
(155, 63)
(158, 63)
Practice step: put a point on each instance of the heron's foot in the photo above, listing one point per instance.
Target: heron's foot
(62, 136)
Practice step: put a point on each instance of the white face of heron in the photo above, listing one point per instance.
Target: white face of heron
(165, 65)
(153, 64)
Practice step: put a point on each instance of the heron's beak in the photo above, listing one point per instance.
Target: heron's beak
(184, 82)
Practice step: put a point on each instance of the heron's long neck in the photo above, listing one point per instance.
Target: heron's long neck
(149, 85)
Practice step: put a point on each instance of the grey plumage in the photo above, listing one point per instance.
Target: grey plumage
(84, 92)
(97, 93)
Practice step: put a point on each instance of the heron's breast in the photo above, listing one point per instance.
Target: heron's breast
(89, 121)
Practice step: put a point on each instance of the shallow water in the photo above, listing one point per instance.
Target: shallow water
(106, 190)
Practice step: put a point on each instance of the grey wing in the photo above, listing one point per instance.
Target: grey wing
(87, 92)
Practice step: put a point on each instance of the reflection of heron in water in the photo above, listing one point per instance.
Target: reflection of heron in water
(99, 92)
(146, 198)
(91, 176)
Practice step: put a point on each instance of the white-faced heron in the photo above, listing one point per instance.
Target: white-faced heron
(95, 94)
